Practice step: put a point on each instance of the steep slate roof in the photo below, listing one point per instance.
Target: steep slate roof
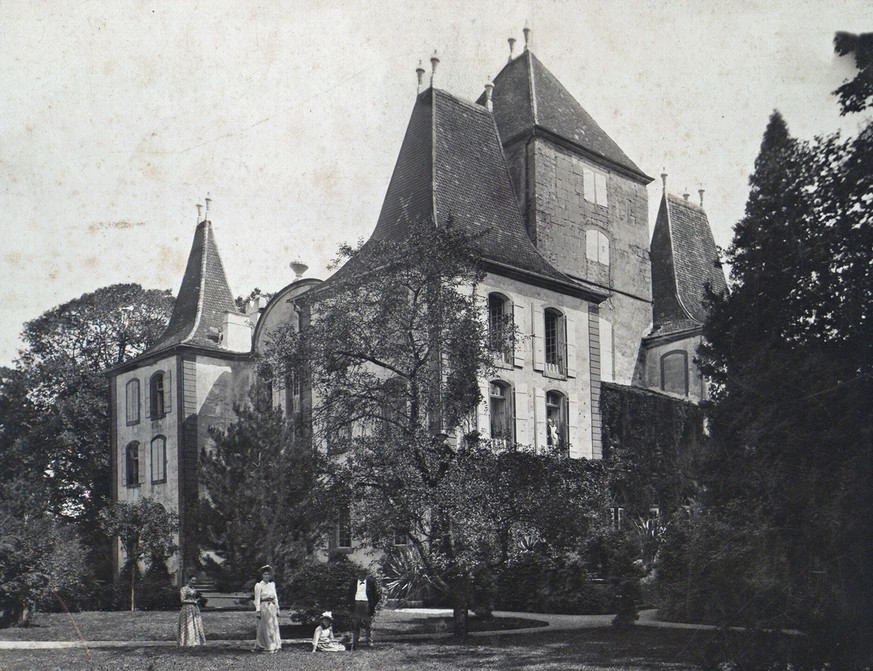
(203, 298)
(684, 259)
(451, 164)
(527, 96)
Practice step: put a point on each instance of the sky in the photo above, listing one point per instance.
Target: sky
(117, 118)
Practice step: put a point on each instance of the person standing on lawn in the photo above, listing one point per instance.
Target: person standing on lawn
(364, 597)
(267, 612)
(323, 639)
(190, 631)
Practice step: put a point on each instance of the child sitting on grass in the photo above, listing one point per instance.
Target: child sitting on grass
(323, 639)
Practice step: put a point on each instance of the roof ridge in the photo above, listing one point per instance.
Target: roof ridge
(670, 237)
(533, 92)
(207, 229)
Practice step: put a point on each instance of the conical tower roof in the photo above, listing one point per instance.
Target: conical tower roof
(203, 298)
(527, 98)
(451, 165)
(684, 260)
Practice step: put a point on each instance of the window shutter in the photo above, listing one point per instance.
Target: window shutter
(603, 249)
(573, 437)
(147, 395)
(571, 345)
(540, 441)
(168, 391)
(539, 336)
(600, 181)
(142, 462)
(606, 362)
(522, 415)
(122, 465)
(591, 244)
(519, 319)
(588, 184)
(483, 423)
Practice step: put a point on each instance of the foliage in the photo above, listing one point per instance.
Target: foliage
(789, 473)
(856, 95)
(391, 348)
(54, 414)
(242, 302)
(145, 530)
(41, 558)
(319, 586)
(536, 582)
(262, 502)
(650, 442)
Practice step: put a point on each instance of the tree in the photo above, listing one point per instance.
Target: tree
(57, 426)
(40, 557)
(59, 382)
(145, 530)
(261, 503)
(788, 352)
(856, 95)
(391, 349)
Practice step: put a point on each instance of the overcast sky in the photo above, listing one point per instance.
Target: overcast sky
(116, 118)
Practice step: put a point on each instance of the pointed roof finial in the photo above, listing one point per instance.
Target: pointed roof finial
(208, 203)
(199, 213)
(511, 41)
(700, 193)
(489, 89)
(686, 195)
(419, 71)
(526, 31)
(664, 180)
(434, 61)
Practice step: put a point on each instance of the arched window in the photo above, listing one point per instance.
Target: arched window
(597, 246)
(674, 372)
(500, 405)
(159, 459)
(157, 395)
(500, 327)
(131, 464)
(556, 421)
(132, 402)
(555, 342)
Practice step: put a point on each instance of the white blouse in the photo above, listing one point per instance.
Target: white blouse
(265, 591)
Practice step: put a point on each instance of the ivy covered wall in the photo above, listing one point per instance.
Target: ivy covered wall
(650, 442)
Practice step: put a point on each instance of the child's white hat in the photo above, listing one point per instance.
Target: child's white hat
(327, 614)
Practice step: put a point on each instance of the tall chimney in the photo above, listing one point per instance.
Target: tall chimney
(700, 192)
(526, 31)
(489, 90)
(511, 41)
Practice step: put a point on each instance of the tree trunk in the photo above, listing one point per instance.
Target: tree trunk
(133, 568)
(459, 617)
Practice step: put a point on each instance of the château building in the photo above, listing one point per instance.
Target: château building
(563, 217)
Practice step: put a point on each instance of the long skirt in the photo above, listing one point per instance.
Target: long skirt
(330, 646)
(190, 626)
(268, 637)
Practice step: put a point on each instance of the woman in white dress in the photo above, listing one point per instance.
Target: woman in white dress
(267, 612)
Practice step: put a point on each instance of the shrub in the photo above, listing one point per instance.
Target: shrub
(320, 586)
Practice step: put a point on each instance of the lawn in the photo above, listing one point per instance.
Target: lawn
(586, 650)
(222, 625)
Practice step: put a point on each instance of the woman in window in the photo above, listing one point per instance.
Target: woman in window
(190, 631)
(267, 612)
